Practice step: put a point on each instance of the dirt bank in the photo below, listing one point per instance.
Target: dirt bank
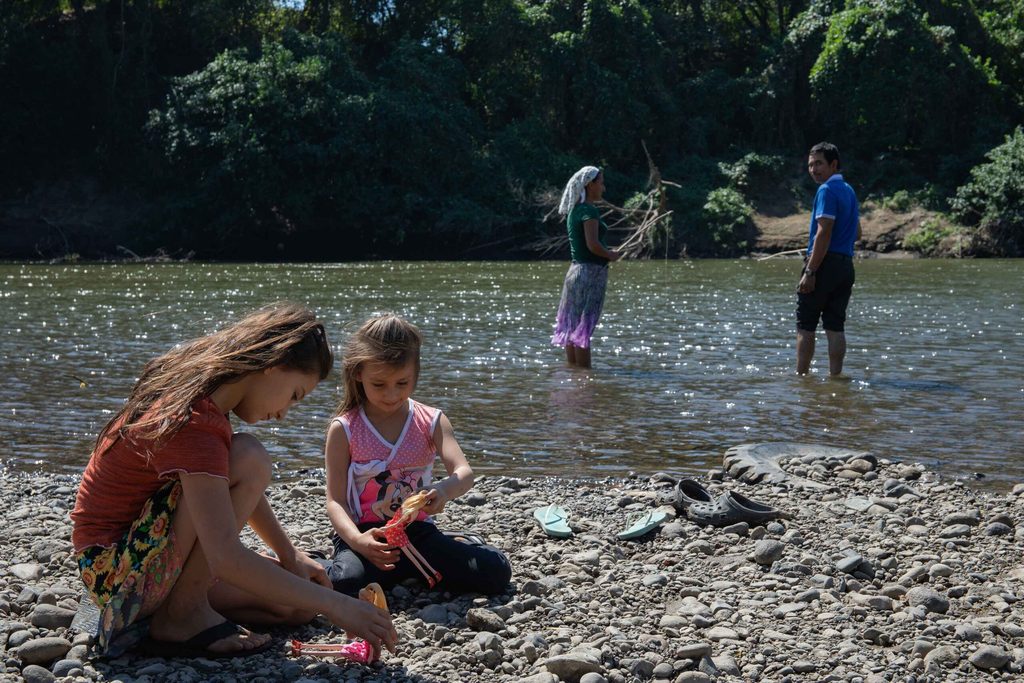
(883, 229)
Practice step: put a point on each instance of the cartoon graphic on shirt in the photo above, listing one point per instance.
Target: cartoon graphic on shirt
(393, 487)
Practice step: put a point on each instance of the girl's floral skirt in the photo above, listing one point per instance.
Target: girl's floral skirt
(582, 301)
(131, 578)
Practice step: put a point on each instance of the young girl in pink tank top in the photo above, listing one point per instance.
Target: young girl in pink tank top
(381, 448)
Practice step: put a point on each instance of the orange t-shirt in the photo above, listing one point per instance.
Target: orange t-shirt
(120, 478)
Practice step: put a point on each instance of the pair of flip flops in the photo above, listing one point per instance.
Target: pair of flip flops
(690, 498)
(553, 520)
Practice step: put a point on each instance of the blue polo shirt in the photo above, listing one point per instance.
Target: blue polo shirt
(835, 199)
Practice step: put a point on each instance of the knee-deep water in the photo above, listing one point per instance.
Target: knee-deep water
(691, 357)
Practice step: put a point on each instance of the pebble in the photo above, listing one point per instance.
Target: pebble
(52, 616)
(849, 564)
(989, 657)
(28, 571)
(693, 677)
(768, 551)
(43, 650)
(835, 593)
(573, 665)
(33, 673)
(928, 598)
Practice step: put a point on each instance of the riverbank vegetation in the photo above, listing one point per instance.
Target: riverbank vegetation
(343, 129)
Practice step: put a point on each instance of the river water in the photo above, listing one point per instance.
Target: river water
(691, 358)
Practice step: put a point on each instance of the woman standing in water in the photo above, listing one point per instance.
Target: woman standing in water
(583, 291)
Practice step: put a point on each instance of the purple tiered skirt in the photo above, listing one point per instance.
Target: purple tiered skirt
(582, 301)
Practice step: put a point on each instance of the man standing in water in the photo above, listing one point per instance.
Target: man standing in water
(827, 278)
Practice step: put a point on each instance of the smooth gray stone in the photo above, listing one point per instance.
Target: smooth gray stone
(663, 670)
(572, 665)
(788, 568)
(955, 531)
(997, 529)
(61, 668)
(154, 669)
(726, 664)
(480, 619)
(489, 641)
(968, 632)
(849, 565)
(768, 551)
(693, 651)
(803, 666)
(542, 677)
(968, 517)
(33, 673)
(881, 603)
(945, 656)
(989, 657)
(51, 616)
(27, 571)
(18, 638)
(858, 503)
(43, 650)
(593, 677)
(693, 677)
(1011, 630)
(929, 599)
(475, 499)
(434, 614)
(739, 528)
(641, 669)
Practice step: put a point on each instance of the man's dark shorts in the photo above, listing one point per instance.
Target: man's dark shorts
(832, 288)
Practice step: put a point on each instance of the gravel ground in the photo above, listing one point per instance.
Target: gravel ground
(891, 575)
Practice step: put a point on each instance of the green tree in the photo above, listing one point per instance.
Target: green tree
(993, 198)
(889, 81)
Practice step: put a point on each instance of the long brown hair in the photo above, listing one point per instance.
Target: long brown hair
(386, 338)
(281, 334)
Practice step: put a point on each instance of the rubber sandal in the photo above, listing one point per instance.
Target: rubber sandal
(730, 508)
(199, 644)
(689, 492)
(467, 537)
(645, 524)
(552, 520)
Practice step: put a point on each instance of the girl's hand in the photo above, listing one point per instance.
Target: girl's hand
(373, 545)
(305, 567)
(361, 619)
(436, 499)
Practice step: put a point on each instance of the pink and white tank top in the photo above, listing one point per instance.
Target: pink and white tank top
(382, 474)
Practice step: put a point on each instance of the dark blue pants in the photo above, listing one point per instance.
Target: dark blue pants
(464, 567)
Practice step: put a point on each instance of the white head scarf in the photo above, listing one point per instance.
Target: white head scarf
(575, 191)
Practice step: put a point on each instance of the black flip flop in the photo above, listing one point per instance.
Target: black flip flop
(198, 645)
(465, 537)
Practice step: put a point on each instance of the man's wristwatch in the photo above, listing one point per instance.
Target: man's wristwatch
(809, 272)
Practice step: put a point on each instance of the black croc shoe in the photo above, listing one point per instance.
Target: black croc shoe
(730, 508)
(688, 492)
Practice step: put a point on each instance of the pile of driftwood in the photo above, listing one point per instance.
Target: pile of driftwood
(645, 225)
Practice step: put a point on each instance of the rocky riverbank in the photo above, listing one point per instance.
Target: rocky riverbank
(890, 575)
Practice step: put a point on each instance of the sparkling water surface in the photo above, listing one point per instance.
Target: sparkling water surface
(691, 358)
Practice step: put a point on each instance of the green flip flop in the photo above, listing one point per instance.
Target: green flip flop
(552, 520)
(646, 523)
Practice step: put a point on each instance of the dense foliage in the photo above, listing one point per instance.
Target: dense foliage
(993, 199)
(340, 129)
